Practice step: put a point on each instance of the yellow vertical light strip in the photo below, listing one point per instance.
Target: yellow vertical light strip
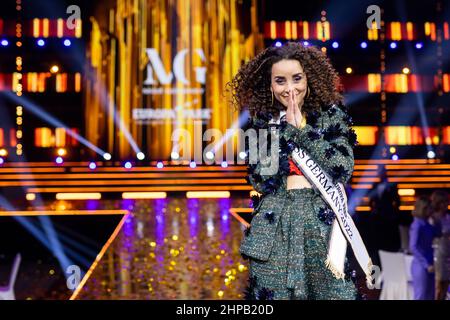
(401, 83)
(60, 28)
(369, 34)
(374, 82)
(15, 81)
(33, 81)
(273, 29)
(78, 31)
(410, 30)
(446, 82)
(305, 30)
(375, 31)
(45, 27)
(112, 91)
(294, 29)
(64, 82)
(427, 29)
(181, 44)
(433, 31)
(58, 82)
(77, 82)
(327, 33)
(392, 33)
(199, 42)
(36, 31)
(287, 30)
(319, 30)
(60, 137)
(41, 82)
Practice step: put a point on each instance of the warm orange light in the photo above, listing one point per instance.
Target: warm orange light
(79, 196)
(406, 70)
(30, 196)
(144, 195)
(3, 152)
(62, 152)
(406, 192)
(349, 70)
(207, 194)
(54, 69)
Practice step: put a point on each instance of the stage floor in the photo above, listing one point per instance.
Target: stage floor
(172, 248)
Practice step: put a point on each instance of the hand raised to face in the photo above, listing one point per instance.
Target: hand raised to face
(293, 113)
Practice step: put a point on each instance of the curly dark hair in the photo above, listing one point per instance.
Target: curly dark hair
(250, 87)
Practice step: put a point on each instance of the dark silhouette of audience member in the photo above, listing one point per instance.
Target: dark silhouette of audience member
(441, 214)
(421, 235)
(384, 202)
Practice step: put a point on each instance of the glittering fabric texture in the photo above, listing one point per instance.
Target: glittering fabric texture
(288, 239)
(296, 267)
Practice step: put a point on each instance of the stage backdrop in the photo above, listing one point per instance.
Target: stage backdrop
(156, 66)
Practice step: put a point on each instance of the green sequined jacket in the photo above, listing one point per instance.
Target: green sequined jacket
(329, 139)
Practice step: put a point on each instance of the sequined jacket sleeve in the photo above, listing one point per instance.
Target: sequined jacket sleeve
(331, 147)
(263, 181)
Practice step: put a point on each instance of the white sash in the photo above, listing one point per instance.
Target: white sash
(343, 226)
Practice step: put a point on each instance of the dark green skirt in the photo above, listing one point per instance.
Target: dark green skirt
(296, 267)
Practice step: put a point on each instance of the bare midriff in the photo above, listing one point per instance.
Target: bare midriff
(297, 182)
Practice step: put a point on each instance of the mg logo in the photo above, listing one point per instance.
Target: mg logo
(156, 67)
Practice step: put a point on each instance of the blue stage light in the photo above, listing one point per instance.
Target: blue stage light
(4, 42)
(224, 164)
(393, 45)
(67, 43)
(364, 45)
(419, 45)
(278, 44)
(41, 43)
(59, 160)
(193, 165)
(335, 45)
(92, 165)
(160, 165)
(128, 165)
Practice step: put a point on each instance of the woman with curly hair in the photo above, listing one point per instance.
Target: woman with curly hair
(295, 89)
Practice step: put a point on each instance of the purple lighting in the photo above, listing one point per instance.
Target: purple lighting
(67, 43)
(364, 45)
(4, 42)
(41, 43)
(128, 165)
(59, 160)
(393, 45)
(278, 44)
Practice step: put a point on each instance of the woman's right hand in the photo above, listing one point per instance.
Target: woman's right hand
(293, 116)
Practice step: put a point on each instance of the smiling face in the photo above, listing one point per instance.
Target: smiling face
(288, 75)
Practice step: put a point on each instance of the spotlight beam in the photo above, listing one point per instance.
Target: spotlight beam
(39, 112)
